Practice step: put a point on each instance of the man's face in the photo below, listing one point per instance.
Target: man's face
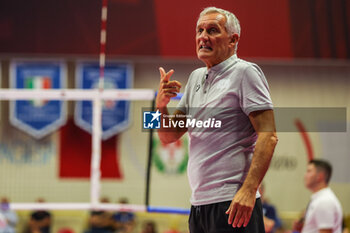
(213, 43)
(311, 177)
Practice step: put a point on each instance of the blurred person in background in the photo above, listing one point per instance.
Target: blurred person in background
(40, 221)
(271, 220)
(149, 227)
(124, 221)
(100, 221)
(324, 213)
(8, 217)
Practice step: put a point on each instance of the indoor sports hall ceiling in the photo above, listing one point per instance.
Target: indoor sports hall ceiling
(270, 29)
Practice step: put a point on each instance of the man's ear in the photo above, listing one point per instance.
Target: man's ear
(321, 176)
(234, 39)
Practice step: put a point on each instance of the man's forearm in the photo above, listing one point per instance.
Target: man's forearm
(170, 134)
(165, 136)
(242, 204)
(264, 149)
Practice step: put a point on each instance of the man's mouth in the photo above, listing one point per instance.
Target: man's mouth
(205, 47)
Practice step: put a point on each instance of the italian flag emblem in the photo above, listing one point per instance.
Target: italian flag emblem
(38, 82)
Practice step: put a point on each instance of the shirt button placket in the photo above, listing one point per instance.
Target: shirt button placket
(206, 87)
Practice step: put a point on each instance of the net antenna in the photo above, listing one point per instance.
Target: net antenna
(95, 187)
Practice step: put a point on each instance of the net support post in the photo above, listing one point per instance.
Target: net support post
(95, 185)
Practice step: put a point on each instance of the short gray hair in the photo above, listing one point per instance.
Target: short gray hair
(232, 24)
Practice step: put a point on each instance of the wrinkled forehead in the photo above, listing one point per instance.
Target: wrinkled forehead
(211, 18)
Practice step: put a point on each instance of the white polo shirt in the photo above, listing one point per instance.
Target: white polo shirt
(324, 212)
(219, 159)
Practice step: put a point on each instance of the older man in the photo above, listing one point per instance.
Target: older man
(226, 165)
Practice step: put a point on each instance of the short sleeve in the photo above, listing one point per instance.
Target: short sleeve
(254, 91)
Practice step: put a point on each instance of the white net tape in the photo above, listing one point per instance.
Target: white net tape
(76, 94)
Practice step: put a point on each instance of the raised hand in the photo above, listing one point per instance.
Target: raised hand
(167, 88)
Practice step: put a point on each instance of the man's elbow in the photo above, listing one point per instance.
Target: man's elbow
(274, 139)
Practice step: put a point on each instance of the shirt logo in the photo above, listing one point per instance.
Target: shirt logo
(198, 86)
(151, 120)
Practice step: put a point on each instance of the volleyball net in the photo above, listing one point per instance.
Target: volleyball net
(33, 168)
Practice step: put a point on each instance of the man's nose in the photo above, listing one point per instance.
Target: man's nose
(203, 36)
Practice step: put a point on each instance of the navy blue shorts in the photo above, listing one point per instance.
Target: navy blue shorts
(213, 219)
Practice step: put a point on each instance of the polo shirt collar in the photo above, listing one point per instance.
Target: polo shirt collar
(223, 64)
(319, 193)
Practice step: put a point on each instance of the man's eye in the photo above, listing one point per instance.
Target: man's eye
(212, 30)
(200, 30)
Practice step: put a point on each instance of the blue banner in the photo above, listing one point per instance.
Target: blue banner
(115, 114)
(38, 117)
